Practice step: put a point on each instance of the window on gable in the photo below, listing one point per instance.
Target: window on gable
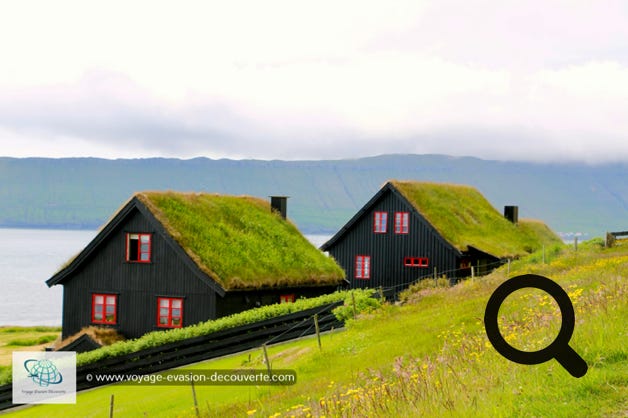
(416, 262)
(170, 312)
(286, 298)
(401, 222)
(363, 267)
(138, 248)
(380, 222)
(104, 308)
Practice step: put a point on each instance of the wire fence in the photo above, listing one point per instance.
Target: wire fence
(394, 290)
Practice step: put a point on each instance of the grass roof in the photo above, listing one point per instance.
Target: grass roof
(240, 242)
(465, 218)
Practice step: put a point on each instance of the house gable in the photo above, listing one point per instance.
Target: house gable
(134, 288)
(394, 257)
(132, 217)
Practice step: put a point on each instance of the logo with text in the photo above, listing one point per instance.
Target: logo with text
(44, 377)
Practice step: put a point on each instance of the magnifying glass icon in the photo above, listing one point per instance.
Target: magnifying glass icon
(559, 348)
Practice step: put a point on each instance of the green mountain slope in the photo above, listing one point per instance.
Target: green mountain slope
(84, 192)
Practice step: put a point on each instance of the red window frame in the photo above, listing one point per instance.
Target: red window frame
(362, 266)
(380, 222)
(287, 298)
(144, 247)
(402, 222)
(104, 305)
(169, 312)
(416, 262)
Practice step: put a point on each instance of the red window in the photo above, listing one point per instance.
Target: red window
(104, 308)
(380, 222)
(401, 222)
(363, 267)
(170, 312)
(416, 262)
(286, 298)
(138, 248)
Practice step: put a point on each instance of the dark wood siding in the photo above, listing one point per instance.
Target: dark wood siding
(388, 251)
(137, 284)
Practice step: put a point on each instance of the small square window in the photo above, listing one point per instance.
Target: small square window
(170, 312)
(104, 309)
(286, 298)
(138, 248)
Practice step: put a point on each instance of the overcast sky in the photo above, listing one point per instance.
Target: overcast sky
(525, 80)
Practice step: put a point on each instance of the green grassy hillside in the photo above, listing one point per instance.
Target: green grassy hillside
(84, 192)
(429, 357)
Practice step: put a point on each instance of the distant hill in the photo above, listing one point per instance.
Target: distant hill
(84, 192)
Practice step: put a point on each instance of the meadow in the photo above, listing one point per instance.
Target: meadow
(15, 338)
(428, 356)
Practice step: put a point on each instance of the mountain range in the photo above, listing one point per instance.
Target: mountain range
(84, 192)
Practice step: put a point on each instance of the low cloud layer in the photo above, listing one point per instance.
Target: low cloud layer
(499, 80)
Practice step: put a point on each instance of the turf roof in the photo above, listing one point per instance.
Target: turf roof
(465, 218)
(239, 242)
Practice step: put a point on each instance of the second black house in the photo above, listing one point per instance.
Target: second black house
(410, 230)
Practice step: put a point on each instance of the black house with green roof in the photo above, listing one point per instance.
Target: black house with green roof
(167, 260)
(411, 230)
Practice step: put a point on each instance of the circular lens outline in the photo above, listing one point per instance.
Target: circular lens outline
(559, 346)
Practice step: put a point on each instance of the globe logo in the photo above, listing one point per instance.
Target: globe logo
(43, 372)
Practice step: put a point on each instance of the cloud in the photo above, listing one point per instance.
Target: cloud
(278, 79)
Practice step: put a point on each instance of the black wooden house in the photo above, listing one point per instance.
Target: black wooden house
(411, 230)
(167, 260)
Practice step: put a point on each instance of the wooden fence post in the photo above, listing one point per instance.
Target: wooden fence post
(111, 407)
(472, 272)
(318, 332)
(198, 414)
(266, 358)
(381, 293)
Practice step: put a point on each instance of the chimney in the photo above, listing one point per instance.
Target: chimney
(512, 213)
(280, 204)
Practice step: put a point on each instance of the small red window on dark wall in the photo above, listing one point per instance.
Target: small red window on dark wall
(402, 220)
(286, 298)
(416, 262)
(170, 312)
(380, 222)
(104, 308)
(362, 267)
(138, 248)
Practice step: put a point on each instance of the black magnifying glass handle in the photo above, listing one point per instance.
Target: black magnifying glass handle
(572, 362)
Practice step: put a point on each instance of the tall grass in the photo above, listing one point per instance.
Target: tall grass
(458, 373)
(430, 357)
